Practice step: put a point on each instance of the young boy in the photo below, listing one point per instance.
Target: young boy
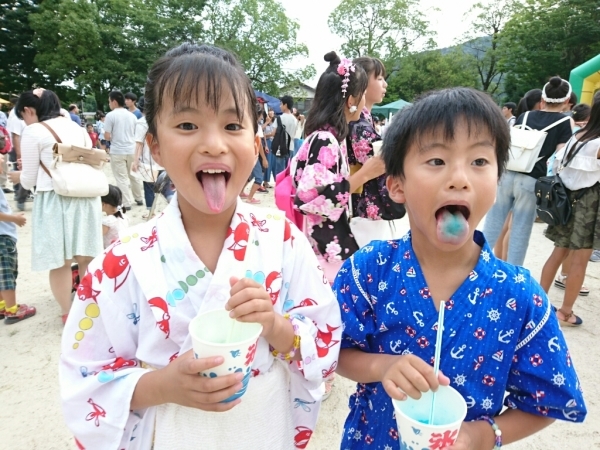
(93, 134)
(10, 311)
(444, 156)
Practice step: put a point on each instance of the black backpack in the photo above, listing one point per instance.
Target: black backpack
(281, 141)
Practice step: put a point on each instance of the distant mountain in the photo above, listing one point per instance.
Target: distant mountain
(483, 42)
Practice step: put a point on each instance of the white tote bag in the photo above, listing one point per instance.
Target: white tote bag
(526, 144)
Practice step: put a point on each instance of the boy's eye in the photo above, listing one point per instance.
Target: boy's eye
(233, 127)
(436, 162)
(480, 162)
(187, 126)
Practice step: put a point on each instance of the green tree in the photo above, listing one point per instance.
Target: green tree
(387, 29)
(422, 72)
(549, 37)
(489, 20)
(263, 38)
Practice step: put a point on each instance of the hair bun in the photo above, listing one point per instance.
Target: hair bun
(555, 81)
(332, 58)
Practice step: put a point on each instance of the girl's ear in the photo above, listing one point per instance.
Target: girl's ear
(395, 186)
(154, 148)
(351, 101)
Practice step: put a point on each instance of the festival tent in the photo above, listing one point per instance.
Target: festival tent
(390, 108)
(272, 102)
(585, 80)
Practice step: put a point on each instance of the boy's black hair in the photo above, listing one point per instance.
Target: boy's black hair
(288, 101)
(131, 96)
(581, 112)
(529, 100)
(47, 106)
(328, 106)
(114, 198)
(573, 99)
(118, 97)
(512, 106)
(141, 104)
(193, 73)
(441, 111)
(592, 128)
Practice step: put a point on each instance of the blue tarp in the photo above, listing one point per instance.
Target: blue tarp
(272, 102)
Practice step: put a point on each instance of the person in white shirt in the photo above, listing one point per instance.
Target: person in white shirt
(299, 137)
(508, 111)
(15, 127)
(290, 123)
(119, 129)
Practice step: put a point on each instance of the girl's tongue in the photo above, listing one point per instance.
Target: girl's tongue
(215, 187)
(452, 227)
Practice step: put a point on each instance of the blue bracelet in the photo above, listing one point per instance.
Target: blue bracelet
(497, 431)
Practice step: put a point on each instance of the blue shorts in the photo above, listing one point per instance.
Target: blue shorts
(257, 172)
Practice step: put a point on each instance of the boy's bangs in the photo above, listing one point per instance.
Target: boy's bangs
(445, 125)
(197, 79)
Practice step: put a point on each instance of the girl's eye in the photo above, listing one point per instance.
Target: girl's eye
(233, 127)
(480, 162)
(436, 162)
(187, 126)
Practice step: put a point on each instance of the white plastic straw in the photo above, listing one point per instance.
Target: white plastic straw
(438, 349)
(246, 264)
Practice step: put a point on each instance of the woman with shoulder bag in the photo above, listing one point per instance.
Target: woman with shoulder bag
(64, 228)
(516, 189)
(581, 234)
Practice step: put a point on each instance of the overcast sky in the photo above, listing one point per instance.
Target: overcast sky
(312, 16)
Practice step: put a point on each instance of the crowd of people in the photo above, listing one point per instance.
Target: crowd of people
(319, 286)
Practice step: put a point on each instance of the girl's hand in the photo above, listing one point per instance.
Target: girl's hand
(410, 375)
(466, 437)
(373, 167)
(249, 302)
(135, 166)
(182, 384)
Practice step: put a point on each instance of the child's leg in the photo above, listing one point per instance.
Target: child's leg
(61, 284)
(83, 262)
(551, 266)
(579, 262)
(9, 270)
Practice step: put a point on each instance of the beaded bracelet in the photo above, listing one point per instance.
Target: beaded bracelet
(497, 431)
(295, 346)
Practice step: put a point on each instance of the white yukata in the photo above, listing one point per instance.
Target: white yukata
(119, 329)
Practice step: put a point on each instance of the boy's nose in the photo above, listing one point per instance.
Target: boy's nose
(458, 179)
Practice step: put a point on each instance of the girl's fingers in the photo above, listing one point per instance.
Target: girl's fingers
(251, 306)
(245, 295)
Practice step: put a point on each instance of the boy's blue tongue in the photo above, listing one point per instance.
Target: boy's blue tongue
(451, 228)
(215, 187)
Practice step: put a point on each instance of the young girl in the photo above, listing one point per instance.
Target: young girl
(443, 157)
(322, 173)
(129, 379)
(372, 207)
(582, 233)
(114, 221)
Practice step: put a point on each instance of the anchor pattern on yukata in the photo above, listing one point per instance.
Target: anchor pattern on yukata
(500, 335)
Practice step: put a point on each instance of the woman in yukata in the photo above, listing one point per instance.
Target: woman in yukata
(128, 376)
(371, 203)
(321, 170)
(444, 156)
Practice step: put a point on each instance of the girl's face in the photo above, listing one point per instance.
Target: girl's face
(208, 154)
(376, 89)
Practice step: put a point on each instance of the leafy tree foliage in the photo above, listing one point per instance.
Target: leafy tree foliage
(422, 72)
(262, 37)
(547, 38)
(387, 29)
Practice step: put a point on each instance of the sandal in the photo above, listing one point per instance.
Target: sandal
(147, 214)
(561, 283)
(253, 201)
(243, 195)
(578, 322)
(64, 318)
(23, 312)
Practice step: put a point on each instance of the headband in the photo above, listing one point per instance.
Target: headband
(344, 68)
(556, 100)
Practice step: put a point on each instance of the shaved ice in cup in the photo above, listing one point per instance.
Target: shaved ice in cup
(212, 335)
(412, 417)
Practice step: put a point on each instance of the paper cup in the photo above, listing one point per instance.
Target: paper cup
(377, 147)
(412, 417)
(210, 333)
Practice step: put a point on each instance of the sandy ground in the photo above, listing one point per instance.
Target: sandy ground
(30, 413)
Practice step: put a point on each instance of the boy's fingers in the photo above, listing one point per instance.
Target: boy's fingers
(426, 379)
(443, 379)
(393, 391)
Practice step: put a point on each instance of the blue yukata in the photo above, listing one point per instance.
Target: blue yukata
(500, 334)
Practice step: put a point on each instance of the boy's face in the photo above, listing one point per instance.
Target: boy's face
(507, 112)
(458, 176)
(208, 154)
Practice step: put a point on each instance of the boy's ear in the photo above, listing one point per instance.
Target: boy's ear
(395, 187)
(154, 148)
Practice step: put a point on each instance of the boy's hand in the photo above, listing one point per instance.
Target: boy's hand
(465, 439)
(185, 386)
(19, 219)
(410, 375)
(250, 302)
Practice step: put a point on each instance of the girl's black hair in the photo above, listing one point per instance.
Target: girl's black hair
(47, 106)
(371, 65)
(581, 112)
(442, 111)
(329, 103)
(191, 73)
(557, 88)
(114, 198)
(529, 100)
(592, 128)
